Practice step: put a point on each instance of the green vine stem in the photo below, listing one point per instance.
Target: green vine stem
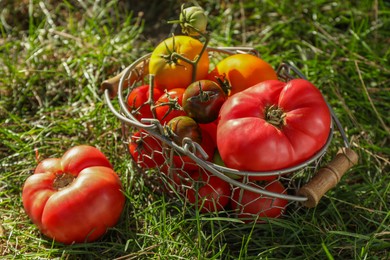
(194, 62)
(172, 103)
(173, 56)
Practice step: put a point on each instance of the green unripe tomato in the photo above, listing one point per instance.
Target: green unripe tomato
(193, 20)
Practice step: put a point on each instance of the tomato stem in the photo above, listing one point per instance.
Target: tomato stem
(174, 56)
(173, 22)
(151, 95)
(62, 180)
(195, 64)
(275, 116)
(172, 103)
(203, 95)
(224, 83)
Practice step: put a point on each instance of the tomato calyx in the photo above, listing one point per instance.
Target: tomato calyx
(224, 83)
(173, 57)
(275, 116)
(137, 110)
(203, 96)
(172, 104)
(63, 180)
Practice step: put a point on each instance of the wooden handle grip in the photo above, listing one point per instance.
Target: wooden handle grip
(138, 73)
(112, 84)
(328, 177)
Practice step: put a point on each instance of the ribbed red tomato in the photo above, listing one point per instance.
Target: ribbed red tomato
(75, 198)
(273, 125)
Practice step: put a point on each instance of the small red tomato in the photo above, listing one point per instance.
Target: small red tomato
(137, 101)
(249, 204)
(210, 192)
(169, 105)
(202, 100)
(75, 198)
(146, 150)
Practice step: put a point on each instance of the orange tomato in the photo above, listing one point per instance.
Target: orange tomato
(172, 72)
(241, 71)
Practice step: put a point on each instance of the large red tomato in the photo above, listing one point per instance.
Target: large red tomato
(208, 191)
(249, 204)
(137, 101)
(75, 198)
(241, 71)
(172, 72)
(273, 125)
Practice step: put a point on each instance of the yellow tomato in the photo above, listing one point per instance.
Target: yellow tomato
(241, 71)
(169, 70)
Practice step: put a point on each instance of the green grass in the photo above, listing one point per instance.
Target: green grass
(55, 54)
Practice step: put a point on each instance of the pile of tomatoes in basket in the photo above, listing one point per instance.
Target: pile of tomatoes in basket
(236, 109)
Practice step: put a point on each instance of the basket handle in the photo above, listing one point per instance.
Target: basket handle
(137, 74)
(328, 177)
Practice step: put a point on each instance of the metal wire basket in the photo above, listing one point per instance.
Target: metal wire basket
(306, 182)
